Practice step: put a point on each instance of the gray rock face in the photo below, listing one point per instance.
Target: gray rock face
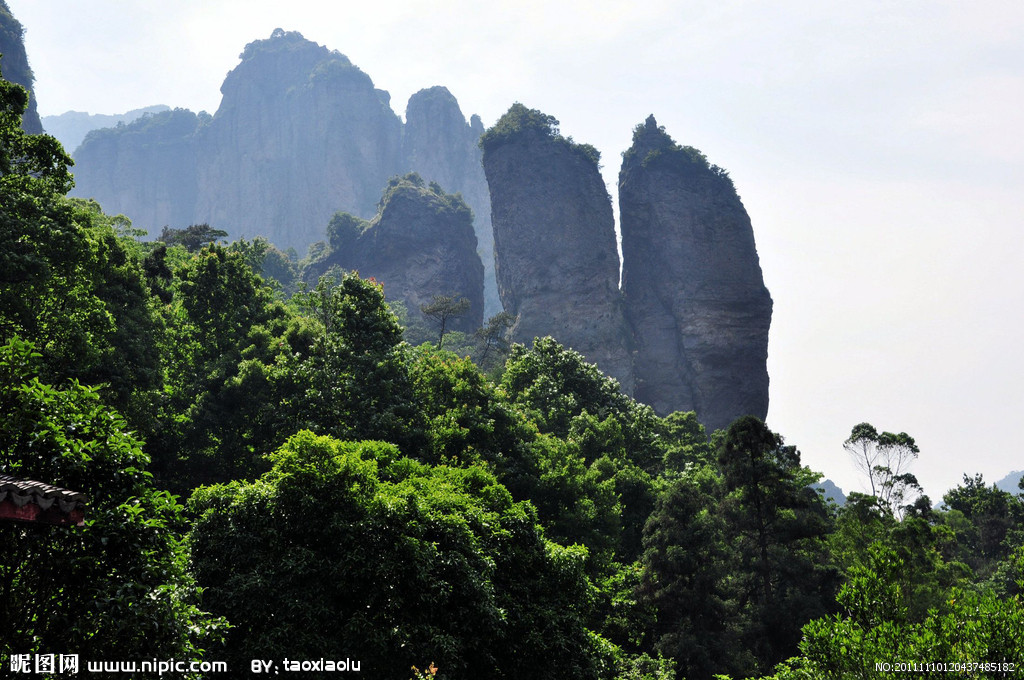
(692, 282)
(300, 133)
(439, 145)
(554, 240)
(153, 176)
(14, 65)
(419, 245)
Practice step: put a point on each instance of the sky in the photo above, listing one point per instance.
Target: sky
(876, 146)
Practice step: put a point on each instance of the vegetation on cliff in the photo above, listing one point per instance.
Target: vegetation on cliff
(420, 246)
(653, 148)
(520, 122)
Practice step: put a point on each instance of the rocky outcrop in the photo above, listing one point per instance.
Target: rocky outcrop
(419, 245)
(14, 65)
(146, 169)
(300, 133)
(554, 240)
(692, 284)
(439, 145)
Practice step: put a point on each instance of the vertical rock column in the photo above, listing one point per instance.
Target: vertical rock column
(692, 283)
(556, 262)
(441, 146)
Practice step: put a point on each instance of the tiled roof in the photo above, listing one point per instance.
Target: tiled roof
(29, 501)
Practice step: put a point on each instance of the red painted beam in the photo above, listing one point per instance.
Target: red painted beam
(30, 512)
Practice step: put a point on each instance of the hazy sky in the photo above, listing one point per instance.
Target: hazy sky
(876, 145)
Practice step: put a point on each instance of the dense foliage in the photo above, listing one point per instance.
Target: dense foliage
(520, 122)
(407, 561)
(118, 585)
(653, 149)
(495, 511)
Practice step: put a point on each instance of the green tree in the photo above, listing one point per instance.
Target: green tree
(924, 543)
(276, 268)
(573, 482)
(684, 442)
(777, 527)
(612, 444)
(158, 274)
(408, 562)
(603, 446)
(443, 308)
(344, 230)
(192, 237)
(685, 579)
(983, 519)
(67, 280)
(874, 628)
(116, 587)
(493, 339)
(225, 354)
(885, 458)
(577, 502)
(356, 373)
(554, 385)
(467, 419)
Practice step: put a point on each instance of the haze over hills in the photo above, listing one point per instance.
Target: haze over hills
(71, 127)
(884, 139)
(831, 491)
(1011, 482)
(358, 486)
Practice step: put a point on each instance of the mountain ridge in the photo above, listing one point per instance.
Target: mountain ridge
(71, 127)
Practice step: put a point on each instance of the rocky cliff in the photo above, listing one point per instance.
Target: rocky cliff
(439, 145)
(420, 244)
(554, 240)
(14, 65)
(301, 133)
(692, 284)
(145, 169)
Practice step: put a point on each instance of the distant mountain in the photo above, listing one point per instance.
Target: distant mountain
(832, 491)
(71, 127)
(302, 134)
(1010, 481)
